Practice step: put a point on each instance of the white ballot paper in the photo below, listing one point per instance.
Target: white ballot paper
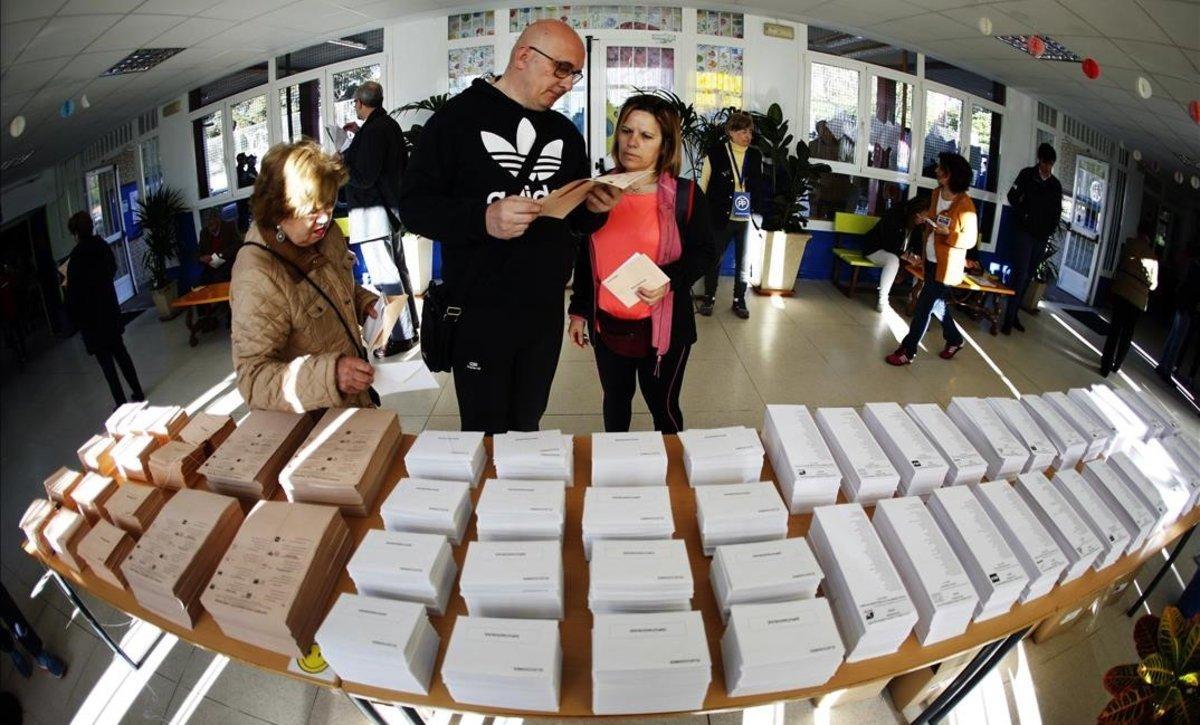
(1187, 462)
(640, 576)
(545, 455)
(510, 510)
(1174, 484)
(636, 273)
(966, 465)
(513, 579)
(1044, 562)
(403, 565)
(763, 571)
(512, 664)
(1132, 475)
(1118, 410)
(922, 468)
(1121, 432)
(645, 663)
(635, 458)
(626, 513)
(738, 513)
(447, 456)
(1097, 434)
(867, 473)
(1171, 425)
(1139, 520)
(215, 260)
(338, 137)
(1069, 443)
(1022, 425)
(1004, 452)
(403, 376)
(1069, 530)
(377, 642)
(773, 647)
(721, 455)
(807, 472)
(377, 329)
(1093, 511)
(427, 506)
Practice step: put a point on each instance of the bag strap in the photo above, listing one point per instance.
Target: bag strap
(683, 214)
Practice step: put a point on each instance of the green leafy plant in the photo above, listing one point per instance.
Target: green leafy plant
(700, 133)
(1046, 271)
(1164, 686)
(432, 104)
(791, 173)
(156, 214)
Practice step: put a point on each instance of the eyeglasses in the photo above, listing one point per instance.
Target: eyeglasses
(562, 68)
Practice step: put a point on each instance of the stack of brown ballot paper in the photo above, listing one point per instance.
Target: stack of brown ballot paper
(33, 523)
(117, 423)
(247, 464)
(104, 548)
(173, 561)
(60, 484)
(273, 585)
(175, 464)
(161, 421)
(134, 506)
(96, 454)
(343, 460)
(132, 456)
(208, 429)
(92, 494)
(63, 532)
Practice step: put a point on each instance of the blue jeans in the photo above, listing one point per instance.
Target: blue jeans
(931, 301)
(1027, 254)
(1180, 325)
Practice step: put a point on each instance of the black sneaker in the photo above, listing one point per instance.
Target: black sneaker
(706, 306)
(739, 309)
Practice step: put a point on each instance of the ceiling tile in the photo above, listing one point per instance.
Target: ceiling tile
(1105, 51)
(1180, 89)
(1118, 19)
(1158, 58)
(192, 31)
(946, 4)
(856, 14)
(243, 9)
(135, 31)
(1001, 24)
(14, 36)
(67, 36)
(1180, 20)
(95, 7)
(90, 65)
(30, 77)
(12, 11)
(926, 28)
(308, 14)
(1044, 16)
(177, 7)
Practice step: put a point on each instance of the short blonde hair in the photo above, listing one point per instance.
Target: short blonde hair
(295, 179)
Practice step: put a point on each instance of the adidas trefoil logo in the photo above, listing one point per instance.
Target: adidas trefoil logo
(511, 158)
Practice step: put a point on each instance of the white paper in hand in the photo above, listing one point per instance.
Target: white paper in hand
(388, 309)
(341, 140)
(637, 272)
(216, 260)
(403, 377)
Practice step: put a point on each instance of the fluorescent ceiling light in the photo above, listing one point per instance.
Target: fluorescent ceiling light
(347, 43)
(141, 60)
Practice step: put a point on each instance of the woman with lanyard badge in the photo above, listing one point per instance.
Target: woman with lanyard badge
(730, 171)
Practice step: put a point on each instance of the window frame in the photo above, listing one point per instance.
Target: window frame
(851, 168)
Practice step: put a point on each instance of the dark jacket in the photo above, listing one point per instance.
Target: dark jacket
(1037, 204)
(481, 147)
(91, 296)
(890, 233)
(227, 245)
(376, 159)
(1187, 296)
(698, 256)
(721, 181)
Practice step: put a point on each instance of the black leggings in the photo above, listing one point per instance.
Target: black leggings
(120, 355)
(620, 376)
(1120, 334)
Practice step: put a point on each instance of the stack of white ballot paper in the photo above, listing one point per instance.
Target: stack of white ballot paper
(426, 506)
(808, 476)
(721, 455)
(780, 646)
(381, 643)
(736, 513)
(1069, 443)
(1040, 556)
(1158, 425)
(520, 510)
(626, 512)
(515, 664)
(871, 607)
(1171, 425)
(922, 468)
(1022, 425)
(966, 465)
(867, 474)
(403, 565)
(1095, 432)
(640, 576)
(1110, 533)
(1006, 456)
(1119, 432)
(937, 583)
(1069, 530)
(629, 459)
(1139, 520)
(1142, 487)
(763, 571)
(988, 559)
(522, 579)
(1187, 462)
(1120, 413)
(643, 663)
(447, 456)
(545, 455)
(1173, 478)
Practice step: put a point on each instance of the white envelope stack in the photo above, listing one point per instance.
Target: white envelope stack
(1069, 443)
(1187, 461)
(1156, 425)
(807, 473)
(867, 474)
(545, 455)
(721, 455)
(402, 565)
(979, 545)
(520, 510)
(1044, 562)
(640, 576)
(1139, 520)
(1123, 415)
(936, 581)
(626, 512)
(1069, 530)
(737, 513)
(921, 467)
(1110, 533)
(629, 459)
(773, 647)
(645, 663)
(514, 664)
(763, 571)
(1006, 456)
(1171, 425)
(377, 642)
(1122, 431)
(518, 579)
(966, 465)
(426, 506)
(1023, 426)
(1097, 433)
(447, 456)
(1174, 485)
(1142, 487)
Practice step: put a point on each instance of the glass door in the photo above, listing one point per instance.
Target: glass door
(104, 204)
(1088, 217)
(620, 70)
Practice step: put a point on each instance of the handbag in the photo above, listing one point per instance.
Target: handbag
(439, 325)
(627, 338)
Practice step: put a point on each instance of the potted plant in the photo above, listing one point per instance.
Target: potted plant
(1044, 275)
(156, 214)
(433, 104)
(1164, 686)
(418, 251)
(700, 133)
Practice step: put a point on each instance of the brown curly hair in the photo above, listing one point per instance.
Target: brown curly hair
(295, 179)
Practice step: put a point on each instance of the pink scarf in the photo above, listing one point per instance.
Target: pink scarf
(670, 248)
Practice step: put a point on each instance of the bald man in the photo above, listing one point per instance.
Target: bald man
(474, 183)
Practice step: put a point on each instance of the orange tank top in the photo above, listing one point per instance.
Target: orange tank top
(632, 227)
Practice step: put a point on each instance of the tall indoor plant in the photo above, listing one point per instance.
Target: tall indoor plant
(156, 214)
(1164, 686)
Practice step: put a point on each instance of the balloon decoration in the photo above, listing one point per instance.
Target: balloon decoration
(1178, 177)
(1195, 181)
(67, 109)
(1091, 68)
(985, 25)
(17, 126)
(1194, 111)
(1143, 87)
(1137, 155)
(1036, 46)
(84, 102)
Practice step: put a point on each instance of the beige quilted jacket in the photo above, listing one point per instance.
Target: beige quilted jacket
(286, 340)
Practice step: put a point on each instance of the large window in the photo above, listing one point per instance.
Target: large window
(628, 68)
(891, 125)
(856, 47)
(964, 80)
(345, 84)
(208, 132)
(718, 78)
(152, 174)
(943, 128)
(833, 128)
(300, 111)
(333, 51)
(226, 86)
(251, 137)
(835, 193)
(985, 146)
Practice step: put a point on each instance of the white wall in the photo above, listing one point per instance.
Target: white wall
(1017, 149)
(47, 188)
(772, 70)
(176, 152)
(416, 52)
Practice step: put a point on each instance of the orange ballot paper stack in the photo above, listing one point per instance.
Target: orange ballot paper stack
(134, 506)
(176, 465)
(104, 548)
(248, 463)
(207, 429)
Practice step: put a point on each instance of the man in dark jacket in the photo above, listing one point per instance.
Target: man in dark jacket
(1036, 199)
(376, 159)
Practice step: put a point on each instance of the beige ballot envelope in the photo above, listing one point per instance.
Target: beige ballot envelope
(563, 200)
(376, 329)
(637, 272)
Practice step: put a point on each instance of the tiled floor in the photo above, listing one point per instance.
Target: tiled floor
(817, 348)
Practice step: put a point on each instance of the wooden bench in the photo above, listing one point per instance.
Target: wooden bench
(853, 259)
(978, 294)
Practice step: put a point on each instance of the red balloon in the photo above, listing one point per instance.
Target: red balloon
(1037, 46)
(1091, 68)
(1194, 111)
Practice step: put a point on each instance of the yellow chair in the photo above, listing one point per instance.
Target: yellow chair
(857, 224)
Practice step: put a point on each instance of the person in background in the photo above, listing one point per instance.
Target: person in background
(952, 230)
(667, 219)
(296, 311)
(376, 159)
(887, 241)
(93, 307)
(730, 170)
(14, 628)
(1036, 199)
(218, 245)
(1187, 306)
(474, 184)
(1135, 279)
